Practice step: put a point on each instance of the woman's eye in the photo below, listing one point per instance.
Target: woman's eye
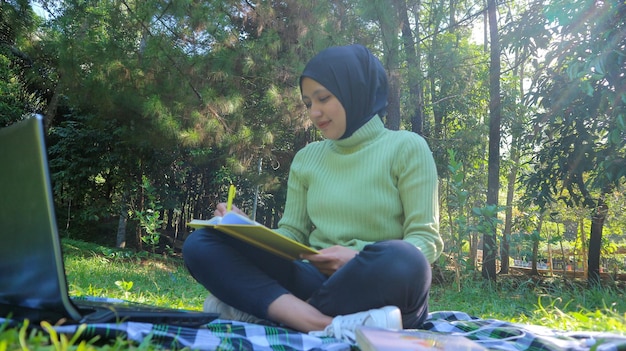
(324, 98)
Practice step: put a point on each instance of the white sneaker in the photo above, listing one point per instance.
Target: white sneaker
(214, 305)
(343, 327)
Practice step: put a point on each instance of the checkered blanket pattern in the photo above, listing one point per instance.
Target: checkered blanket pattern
(217, 335)
(233, 335)
(500, 335)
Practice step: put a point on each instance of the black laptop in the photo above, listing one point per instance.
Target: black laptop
(33, 284)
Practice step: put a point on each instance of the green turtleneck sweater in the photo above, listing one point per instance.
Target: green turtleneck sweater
(375, 185)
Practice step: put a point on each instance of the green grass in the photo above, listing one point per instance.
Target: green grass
(99, 271)
(155, 279)
(550, 302)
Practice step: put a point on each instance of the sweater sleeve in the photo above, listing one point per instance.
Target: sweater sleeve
(418, 188)
(295, 222)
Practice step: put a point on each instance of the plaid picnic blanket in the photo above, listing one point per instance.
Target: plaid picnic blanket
(217, 335)
(232, 335)
(500, 335)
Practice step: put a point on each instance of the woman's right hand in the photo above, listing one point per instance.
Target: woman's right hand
(220, 210)
(330, 259)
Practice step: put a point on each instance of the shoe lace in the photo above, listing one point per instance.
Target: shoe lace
(343, 326)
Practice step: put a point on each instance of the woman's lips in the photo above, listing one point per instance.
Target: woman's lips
(323, 125)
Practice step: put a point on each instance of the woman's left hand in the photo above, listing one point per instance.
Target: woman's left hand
(329, 260)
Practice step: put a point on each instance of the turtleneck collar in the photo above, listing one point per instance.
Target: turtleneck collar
(361, 137)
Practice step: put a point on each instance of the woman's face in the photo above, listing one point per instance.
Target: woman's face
(325, 110)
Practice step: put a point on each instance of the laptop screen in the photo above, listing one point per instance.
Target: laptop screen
(32, 273)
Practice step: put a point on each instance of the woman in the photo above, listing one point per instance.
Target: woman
(365, 197)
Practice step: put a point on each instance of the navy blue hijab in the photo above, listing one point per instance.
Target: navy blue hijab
(355, 77)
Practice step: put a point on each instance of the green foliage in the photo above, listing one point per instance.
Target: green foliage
(87, 162)
(15, 100)
(194, 94)
(457, 206)
(149, 216)
(581, 141)
(581, 152)
(459, 98)
(487, 218)
(26, 337)
(9, 91)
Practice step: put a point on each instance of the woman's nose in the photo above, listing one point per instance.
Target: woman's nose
(314, 112)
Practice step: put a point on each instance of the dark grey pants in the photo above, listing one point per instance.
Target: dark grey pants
(385, 273)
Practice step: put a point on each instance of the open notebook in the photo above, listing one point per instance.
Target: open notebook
(379, 339)
(245, 229)
(33, 284)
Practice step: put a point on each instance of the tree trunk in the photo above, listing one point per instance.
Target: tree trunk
(121, 227)
(493, 172)
(473, 250)
(564, 263)
(485, 28)
(415, 110)
(139, 232)
(511, 180)
(120, 240)
(584, 248)
(418, 119)
(550, 250)
(53, 104)
(595, 240)
(533, 269)
(508, 220)
(389, 25)
(393, 108)
(432, 82)
(452, 14)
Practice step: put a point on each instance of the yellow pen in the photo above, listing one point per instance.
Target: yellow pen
(231, 197)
